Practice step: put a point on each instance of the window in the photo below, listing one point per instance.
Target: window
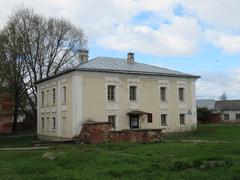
(47, 99)
(134, 121)
(181, 94)
(42, 98)
(163, 119)
(54, 123)
(111, 93)
(64, 122)
(163, 93)
(149, 118)
(133, 93)
(42, 123)
(53, 95)
(112, 120)
(48, 123)
(182, 119)
(237, 116)
(64, 94)
(226, 116)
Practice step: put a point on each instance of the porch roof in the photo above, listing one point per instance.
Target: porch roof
(137, 113)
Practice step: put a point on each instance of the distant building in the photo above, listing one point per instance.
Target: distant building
(229, 110)
(6, 107)
(225, 111)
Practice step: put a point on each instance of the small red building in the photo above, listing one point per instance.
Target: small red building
(6, 107)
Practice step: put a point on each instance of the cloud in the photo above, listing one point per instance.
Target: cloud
(213, 84)
(181, 37)
(176, 27)
(230, 43)
(216, 13)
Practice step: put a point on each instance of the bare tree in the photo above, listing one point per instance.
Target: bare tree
(45, 47)
(13, 70)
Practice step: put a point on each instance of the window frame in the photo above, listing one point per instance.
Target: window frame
(43, 98)
(111, 92)
(181, 94)
(182, 119)
(226, 115)
(112, 120)
(54, 123)
(48, 123)
(132, 92)
(54, 95)
(64, 90)
(164, 97)
(164, 119)
(237, 116)
(42, 125)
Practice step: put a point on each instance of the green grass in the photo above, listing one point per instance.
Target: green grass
(164, 160)
(17, 141)
(217, 132)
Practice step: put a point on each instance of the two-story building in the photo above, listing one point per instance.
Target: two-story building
(122, 91)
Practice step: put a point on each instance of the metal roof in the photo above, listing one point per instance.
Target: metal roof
(207, 103)
(109, 64)
(118, 65)
(227, 105)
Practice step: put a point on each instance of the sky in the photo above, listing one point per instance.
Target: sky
(197, 37)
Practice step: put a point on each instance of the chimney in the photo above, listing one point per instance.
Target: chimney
(130, 58)
(83, 56)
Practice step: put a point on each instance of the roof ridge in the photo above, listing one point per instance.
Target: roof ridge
(142, 64)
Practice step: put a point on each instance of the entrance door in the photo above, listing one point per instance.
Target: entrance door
(134, 121)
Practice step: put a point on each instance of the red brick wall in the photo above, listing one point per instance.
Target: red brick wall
(6, 106)
(5, 124)
(94, 133)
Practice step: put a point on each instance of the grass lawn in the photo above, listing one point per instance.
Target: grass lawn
(165, 160)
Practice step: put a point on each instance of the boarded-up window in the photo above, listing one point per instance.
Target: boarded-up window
(149, 117)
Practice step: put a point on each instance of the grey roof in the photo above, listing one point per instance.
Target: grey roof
(207, 103)
(118, 65)
(108, 64)
(227, 105)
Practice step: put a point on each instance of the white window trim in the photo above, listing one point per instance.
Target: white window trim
(114, 81)
(182, 84)
(137, 93)
(134, 82)
(164, 83)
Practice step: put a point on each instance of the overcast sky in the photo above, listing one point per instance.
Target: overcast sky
(199, 37)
